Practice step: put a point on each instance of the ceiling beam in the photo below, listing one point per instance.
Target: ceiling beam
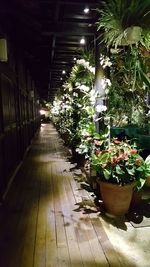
(72, 2)
(67, 32)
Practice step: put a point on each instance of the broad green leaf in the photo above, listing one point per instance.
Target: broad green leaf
(107, 174)
(104, 158)
(131, 171)
(96, 135)
(147, 160)
(119, 170)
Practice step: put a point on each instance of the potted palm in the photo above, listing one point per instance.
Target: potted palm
(120, 170)
(123, 22)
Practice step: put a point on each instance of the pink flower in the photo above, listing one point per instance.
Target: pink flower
(116, 141)
(133, 151)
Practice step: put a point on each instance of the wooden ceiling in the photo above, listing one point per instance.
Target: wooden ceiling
(48, 33)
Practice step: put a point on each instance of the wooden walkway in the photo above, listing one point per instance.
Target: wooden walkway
(49, 220)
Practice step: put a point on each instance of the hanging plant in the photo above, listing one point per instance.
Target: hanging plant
(122, 22)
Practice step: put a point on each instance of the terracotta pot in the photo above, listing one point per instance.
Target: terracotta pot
(116, 198)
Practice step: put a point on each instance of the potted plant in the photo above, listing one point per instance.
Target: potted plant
(123, 22)
(120, 170)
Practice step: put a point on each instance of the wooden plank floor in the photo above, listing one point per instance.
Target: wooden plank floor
(49, 220)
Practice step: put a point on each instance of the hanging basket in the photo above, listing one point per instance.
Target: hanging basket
(132, 35)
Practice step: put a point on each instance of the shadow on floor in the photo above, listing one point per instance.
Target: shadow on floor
(140, 215)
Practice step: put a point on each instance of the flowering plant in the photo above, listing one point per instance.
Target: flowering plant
(121, 164)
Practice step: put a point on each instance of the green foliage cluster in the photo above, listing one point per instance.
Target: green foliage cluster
(117, 16)
(121, 164)
(130, 85)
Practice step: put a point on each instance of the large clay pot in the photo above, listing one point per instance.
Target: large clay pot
(116, 198)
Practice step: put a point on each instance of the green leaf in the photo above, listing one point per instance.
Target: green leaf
(90, 110)
(140, 183)
(119, 170)
(140, 169)
(96, 135)
(145, 79)
(107, 174)
(131, 171)
(147, 160)
(103, 159)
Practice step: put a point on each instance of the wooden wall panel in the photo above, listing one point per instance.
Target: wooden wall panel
(9, 124)
(10, 156)
(2, 174)
(2, 167)
(19, 116)
(5, 92)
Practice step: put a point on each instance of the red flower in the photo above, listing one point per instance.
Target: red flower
(116, 159)
(116, 141)
(133, 151)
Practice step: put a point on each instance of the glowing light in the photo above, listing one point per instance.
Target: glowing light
(74, 58)
(63, 72)
(82, 41)
(86, 10)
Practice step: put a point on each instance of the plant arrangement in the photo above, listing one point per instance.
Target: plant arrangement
(129, 86)
(124, 22)
(129, 57)
(71, 110)
(121, 164)
(121, 172)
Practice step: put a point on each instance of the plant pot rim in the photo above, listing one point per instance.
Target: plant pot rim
(116, 185)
